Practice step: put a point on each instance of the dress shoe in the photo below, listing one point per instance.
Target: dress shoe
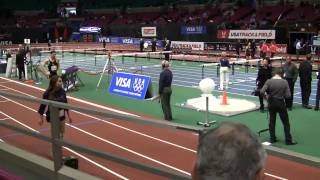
(307, 106)
(289, 108)
(291, 143)
(273, 141)
(316, 109)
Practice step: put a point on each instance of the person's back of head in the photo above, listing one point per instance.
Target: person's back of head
(230, 151)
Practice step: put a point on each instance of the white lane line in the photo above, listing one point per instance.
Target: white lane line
(139, 133)
(277, 177)
(116, 145)
(129, 150)
(76, 99)
(113, 124)
(84, 157)
(3, 119)
(97, 164)
(4, 82)
(3, 101)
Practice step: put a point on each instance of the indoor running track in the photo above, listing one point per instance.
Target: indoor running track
(165, 148)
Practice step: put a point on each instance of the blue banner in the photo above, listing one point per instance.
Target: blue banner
(127, 40)
(193, 29)
(129, 85)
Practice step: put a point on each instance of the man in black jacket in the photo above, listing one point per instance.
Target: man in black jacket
(20, 58)
(165, 90)
(290, 74)
(305, 74)
(277, 91)
(264, 74)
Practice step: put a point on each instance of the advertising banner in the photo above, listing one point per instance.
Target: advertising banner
(193, 29)
(187, 45)
(149, 31)
(246, 34)
(129, 85)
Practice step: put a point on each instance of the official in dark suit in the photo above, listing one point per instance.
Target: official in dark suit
(264, 74)
(305, 74)
(20, 58)
(165, 90)
(277, 91)
(290, 74)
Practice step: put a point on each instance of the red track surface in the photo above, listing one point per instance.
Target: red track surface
(165, 148)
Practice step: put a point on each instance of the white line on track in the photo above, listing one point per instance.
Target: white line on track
(3, 119)
(114, 144)
(113, 124)
(277, 177)
(76, 99)
(80, 155)
(126, 128)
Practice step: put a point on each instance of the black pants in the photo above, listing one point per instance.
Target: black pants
(165, 103)
(21, 70)
(278, 106)
(167, 56)
(261, 102)
(318, 95)
(305, 91)
(291, 86)
(272, 55)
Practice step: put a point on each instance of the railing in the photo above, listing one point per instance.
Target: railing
(58, 143)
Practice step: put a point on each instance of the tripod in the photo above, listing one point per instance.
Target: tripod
(109, 66)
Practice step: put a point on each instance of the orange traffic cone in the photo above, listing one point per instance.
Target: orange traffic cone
(224, 98)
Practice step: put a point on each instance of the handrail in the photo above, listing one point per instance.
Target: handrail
(58, 143)
(96, 153)
(122, 117)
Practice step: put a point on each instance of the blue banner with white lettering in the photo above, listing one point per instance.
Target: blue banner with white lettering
(193, 29)
(129, 85)
(127, 40)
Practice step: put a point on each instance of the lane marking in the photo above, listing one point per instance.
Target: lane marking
(76, 99)
(84, 157)
(271, 175)
(113, 124)
(116, 145)
(3, 119)
(129, 150)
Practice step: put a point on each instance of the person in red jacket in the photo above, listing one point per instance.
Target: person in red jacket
(273, 49)
(264, 50)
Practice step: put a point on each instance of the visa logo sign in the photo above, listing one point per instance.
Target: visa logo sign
(123, 82)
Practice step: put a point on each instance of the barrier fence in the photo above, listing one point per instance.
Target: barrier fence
(58, 143)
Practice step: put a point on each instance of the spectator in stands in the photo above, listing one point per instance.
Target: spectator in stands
(316, 108)
(165, 91)
(167, 48)
(248, 50)
(253, 49)
(20, 59)
(53, 64)
(290, 74)
(228, 152)
(273, 49)
(264, 74)
(141, 44)
(55, 92)
(154, 45)
(238, 48)
(264, 50)
(104, 44)
(299, 47)
(305, 74)
(277, 90)
(224, 72)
